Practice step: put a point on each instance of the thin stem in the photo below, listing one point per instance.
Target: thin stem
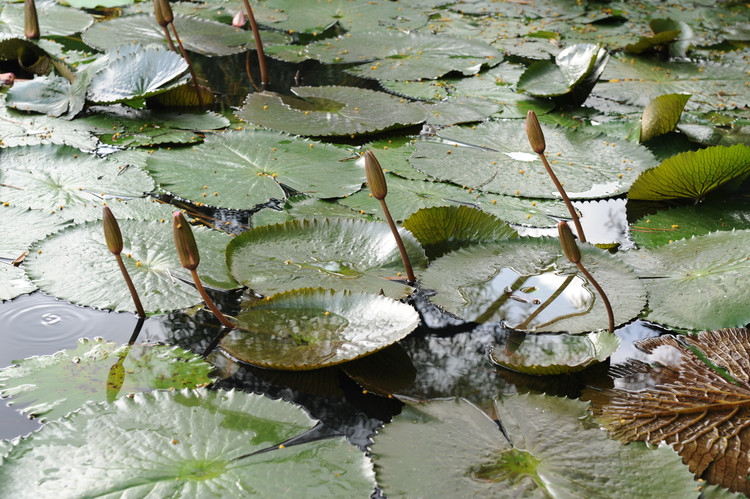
(399, 242)
(169, 39)
(258, 45)
(226, 322)
(565, 197)
(247, 70)
(131, 287)
(190, 66)
(602, 294)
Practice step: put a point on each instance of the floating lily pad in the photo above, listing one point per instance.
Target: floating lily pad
(530, 285)
(313, 328)
(54, 20)
(196, 443)
(335, 110)
(571, 67)
(496, 157)
(446, 228)
(661, 115)
(13, 282)
(208, 172)
(20, 227)
(545, 354)
(393, 155)
(50, 95)
(449, 448)
(76, 265)
(146, 208)
(50, 386)
(302, 207)
(692, 174)
(52, 177)
(330, 253)
(697, 283)
(460, 110)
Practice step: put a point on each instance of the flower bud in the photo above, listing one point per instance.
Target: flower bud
(375, 176)
(30, 20)
(534, 133)
(568, 242)
(112, 233)
(239, 20)
(166, 12)
(159, 16)
(184, 240)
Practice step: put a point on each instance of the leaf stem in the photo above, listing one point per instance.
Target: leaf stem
(402, 249)
(602, 294)
(258, 46)
(131, 287)
(190, 67)
(571, 209)
(222, 318)
(169, 39)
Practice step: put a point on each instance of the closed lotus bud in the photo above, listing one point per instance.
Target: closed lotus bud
(239, 20)
(184, 240)
(112, 233)
(30, 21)
(375, 176)
(159, 16)
(568, 242)
(166, 11)
(534, 133)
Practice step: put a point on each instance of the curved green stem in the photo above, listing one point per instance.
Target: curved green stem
(602, 294)
(211, 305)
(565, 197)
(399, 242)
(131, 287)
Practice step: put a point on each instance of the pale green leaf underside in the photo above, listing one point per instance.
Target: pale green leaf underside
(13, 282)
(571, 66)
(661, 115)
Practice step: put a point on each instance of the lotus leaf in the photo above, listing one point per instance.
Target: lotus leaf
(76, 265)
(313, 328)
(333, 253)
(54, 20)
(530, 285)
(460, 110)
(50, 386)
(302, 207)
(572, 67)
(13, 282)
(207, 173)
(192, 443)
(449, 448)
(661, 115)
(134, 209)
(20, 227)
(51, 95)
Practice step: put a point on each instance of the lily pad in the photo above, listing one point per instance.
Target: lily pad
(335, 110)
(460, 110)
(530, 285)
(20, 227)
(50, 386)
(446, 228)
(496, 157)
(53, 177)
(661, 115)
(545, 354)
(313, 328)
(50, 95)
(572, 67)
(449, 448)
(54, 19)
(207, 173)
(77, 266)
(692, 174)
(154, 447)
(13, 282)
(21, 129)
(303, 207)
(687, 280)
(330, 253)
(146, 208)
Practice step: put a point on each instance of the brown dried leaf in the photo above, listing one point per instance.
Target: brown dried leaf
(685, 403)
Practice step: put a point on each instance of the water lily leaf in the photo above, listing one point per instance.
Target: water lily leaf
(699, 410)
(198, 35)
(688, 278)
(54, 20)
(661, 115)
(648, 43)
(93, 4)
(449, 448)
(146, 208)
(76, 266)
(544, 354)
(52, 177)
(51, 95)
(50, 386)
(313, 328)
(13, 282)
(446, 228)
(208, 172)
(692, 174)
(334, 110)
(153, 447)
(393, 155)
(332, 253)
(571, 67)
(684, 222)
(496, 157)
(530, 285)
(20, 227)
(303, 207)
(460, 110)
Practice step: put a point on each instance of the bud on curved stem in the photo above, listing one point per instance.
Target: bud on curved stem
(536, 139)
(187, 250)
(113, 237)
(161, 21)
(163, 9)
(239, 20)
(166, 11)
(30, 20)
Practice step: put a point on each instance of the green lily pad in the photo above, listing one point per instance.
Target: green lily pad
(692, 174)
(51, 95)
(460, 110)
(496, 157)
(684, 222)
(697, 283)
(303, 207)
(449, 448)
(545, 354)
(313, 328)
(647, 43)
(446, 228)
(20, 227)
(21, 129)
(335, 110)
(530, 285)
(93, 4)
(53, 177)
(146, 208)
(54, 20)
(207, 173)
(197, 443)
(50, 386)
(13, 282)
(661, 115)
(331, 253)
(77, 266)
(393, 155)
(571, 67)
